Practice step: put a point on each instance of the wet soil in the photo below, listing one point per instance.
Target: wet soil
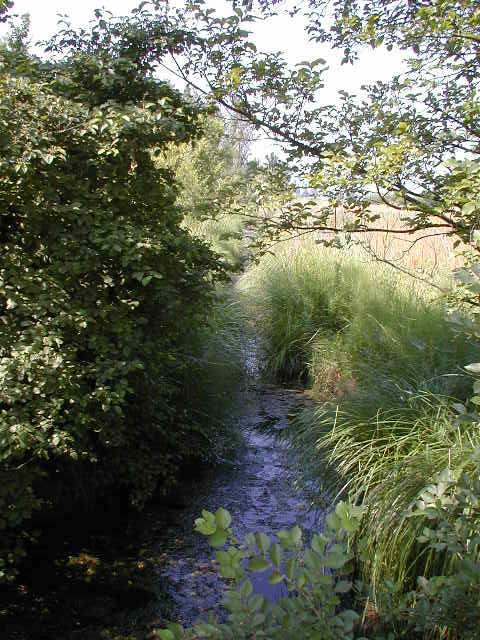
(125, 581)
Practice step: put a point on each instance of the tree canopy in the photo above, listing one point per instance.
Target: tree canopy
(412, 141)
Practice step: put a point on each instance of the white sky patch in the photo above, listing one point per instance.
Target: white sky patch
(281, 33)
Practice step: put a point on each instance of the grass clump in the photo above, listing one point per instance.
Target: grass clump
(384, 461)
(288, 295)
(214, 378)
(331, 318)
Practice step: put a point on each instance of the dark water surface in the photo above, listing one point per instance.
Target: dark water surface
(124, 582)
(261, 495)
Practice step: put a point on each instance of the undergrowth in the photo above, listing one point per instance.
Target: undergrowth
(214, 377)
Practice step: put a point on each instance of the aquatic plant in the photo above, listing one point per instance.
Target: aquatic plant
(313, 574)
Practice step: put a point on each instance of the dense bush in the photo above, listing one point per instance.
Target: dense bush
(103, 293)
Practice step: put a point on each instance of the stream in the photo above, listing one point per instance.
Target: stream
(94, 597)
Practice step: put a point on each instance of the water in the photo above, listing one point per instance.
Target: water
(261, 495)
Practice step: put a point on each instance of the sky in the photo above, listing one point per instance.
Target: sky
(281, 34)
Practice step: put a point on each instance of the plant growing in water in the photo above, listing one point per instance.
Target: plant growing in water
(317, 575)
(313, 574)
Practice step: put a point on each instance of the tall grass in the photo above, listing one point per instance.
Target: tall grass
(215, 372)
(323, 312)
(424, 253)
(384, 461)
(224, 234)
(385, 365)
(214, 377)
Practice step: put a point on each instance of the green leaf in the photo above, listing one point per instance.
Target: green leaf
(227, 571)
(258, 564)
(275, 578)
(250, 540)
(290, 567)
(258, 619)
(208, 630)
(312, 560)
(335, 559)
(207, 524)
(246, 589)
(318, 543)
(223, 518)
(469, 208)
(343, 586)
(276, 554)
(175, 629)
(218, 539)
(334, 522)
(296, 534)
(263, 542)
(256, 602)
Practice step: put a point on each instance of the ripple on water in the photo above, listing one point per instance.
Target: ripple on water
(261, 494)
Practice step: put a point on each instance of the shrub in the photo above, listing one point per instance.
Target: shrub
(450, 507)
(312, 573)
(103, 293)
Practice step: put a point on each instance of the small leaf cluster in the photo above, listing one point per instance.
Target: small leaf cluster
(313, 575)
(451, 508)
(316, 576)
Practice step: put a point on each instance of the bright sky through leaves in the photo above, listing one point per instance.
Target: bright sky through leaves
(281, 33)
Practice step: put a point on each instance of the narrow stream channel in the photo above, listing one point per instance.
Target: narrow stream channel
(260, 491)
(261, 495)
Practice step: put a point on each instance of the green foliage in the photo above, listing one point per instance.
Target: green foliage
(411, 141)
(214, 193)
(313, 575)
(451, 506)
(221, 194)
(213, 379)
(445, 606)
(337, 320)
(5, 6)
(317, 576)
(209, 171)
(383, 358)
(103, 293)
(383, 458)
